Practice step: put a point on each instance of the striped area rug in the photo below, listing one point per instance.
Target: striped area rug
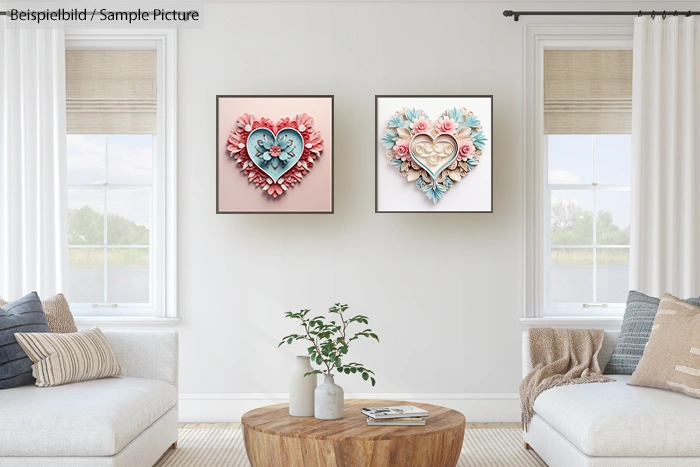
(219, 447)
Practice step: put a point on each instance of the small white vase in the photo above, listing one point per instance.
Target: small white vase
(301, 389)
(329, 401)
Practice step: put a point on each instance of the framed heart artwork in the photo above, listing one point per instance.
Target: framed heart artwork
(433, 154)
(274, 154)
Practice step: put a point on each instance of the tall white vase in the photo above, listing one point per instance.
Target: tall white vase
(330, 400)
(301, 389)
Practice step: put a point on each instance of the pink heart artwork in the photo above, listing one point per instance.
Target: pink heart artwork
(275, 156)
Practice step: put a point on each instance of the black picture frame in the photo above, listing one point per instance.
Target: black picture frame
(377, 97)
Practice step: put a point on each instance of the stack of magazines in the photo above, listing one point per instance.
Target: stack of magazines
(403, 415)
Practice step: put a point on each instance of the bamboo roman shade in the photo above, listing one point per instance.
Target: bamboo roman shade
(587, 91)
(111, 91)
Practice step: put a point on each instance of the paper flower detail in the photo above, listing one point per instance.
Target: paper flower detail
(465, 150)
(434, 154)
(421, 125)
(276, 150)
(401, 149)
(446, 125)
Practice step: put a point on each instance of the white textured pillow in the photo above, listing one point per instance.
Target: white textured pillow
(70, 357)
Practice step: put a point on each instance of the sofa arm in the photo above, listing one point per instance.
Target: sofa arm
(527, 364)
(606, 350)
(151, 355)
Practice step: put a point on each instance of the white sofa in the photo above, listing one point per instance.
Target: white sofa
(125, 421)
(613, 424)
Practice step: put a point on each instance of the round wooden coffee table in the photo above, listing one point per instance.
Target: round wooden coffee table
(273, 438)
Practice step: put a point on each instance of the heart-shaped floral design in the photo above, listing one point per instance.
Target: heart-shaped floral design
(434, 155)
(275, 156)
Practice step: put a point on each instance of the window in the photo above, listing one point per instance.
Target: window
(588, 201)
(587, 146)
(578, 99)
(110, 214)
(120, 174)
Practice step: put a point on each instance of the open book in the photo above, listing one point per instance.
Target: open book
(401, 411)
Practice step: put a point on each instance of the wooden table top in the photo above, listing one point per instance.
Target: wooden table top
(275, 419)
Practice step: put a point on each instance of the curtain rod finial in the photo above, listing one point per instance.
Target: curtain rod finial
(509, 13)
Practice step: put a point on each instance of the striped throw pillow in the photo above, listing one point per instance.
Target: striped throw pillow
(671, 359)
(23, 315)
(69, 358)
(58, 313)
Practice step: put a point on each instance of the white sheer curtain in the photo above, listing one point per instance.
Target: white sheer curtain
(665, 223)
(33, 234)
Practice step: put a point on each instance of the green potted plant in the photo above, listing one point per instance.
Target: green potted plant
(330, 341)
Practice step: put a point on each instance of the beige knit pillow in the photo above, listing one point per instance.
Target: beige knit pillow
(68, 358)
(57, 312)
(671, 359)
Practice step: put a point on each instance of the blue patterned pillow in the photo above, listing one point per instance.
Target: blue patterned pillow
(23, 315)
(634, 335)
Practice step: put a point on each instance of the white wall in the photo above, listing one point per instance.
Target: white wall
(238, 274)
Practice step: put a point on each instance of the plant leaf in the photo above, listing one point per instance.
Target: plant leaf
(455, 114)
(479, 139)
(388, 139)
(472, 121)
(403, 133)
(396, 163)
(396, 120)
(464, 132)
(412, 114)
(413, 175)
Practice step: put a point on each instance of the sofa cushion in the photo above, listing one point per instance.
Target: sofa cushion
(23, 315)
(671, 359)
(69, 357)
(636, 326)
(58, 313)
(616, 420)
(90, 418)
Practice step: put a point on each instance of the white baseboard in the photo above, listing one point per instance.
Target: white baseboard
(229, 407)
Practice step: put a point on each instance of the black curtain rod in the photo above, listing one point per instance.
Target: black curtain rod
(517, 14)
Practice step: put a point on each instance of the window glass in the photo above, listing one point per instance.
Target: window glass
(589, 219)
(85, 156)
(130, 159)
(570, 159)
(613, 159)
(571, 217)
(109, 256)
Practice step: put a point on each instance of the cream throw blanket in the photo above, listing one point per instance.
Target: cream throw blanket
(560, 357)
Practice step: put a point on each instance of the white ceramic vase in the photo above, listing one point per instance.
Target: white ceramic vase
(329, 401)
(301, 389)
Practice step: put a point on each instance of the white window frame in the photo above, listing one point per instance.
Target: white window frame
(539, 38)
(163, 247)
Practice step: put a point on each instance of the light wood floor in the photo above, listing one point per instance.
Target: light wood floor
(205, 426)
